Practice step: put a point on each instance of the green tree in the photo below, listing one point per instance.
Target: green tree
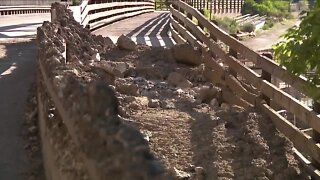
(300, 51)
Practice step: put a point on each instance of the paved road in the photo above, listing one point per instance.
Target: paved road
(17, 72)
(150, 28)
(266, 39)
(21, 26)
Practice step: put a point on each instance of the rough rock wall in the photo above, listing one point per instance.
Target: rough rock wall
(101, 144)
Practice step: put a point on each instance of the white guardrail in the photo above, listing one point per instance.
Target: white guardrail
(94, 16)
(12, 10)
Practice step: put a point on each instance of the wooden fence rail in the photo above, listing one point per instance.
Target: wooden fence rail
(217, 6)
(234, 76)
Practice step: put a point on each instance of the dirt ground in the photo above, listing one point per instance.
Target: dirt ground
(197, 140)
(265, 39)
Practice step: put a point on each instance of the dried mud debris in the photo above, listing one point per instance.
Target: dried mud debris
(182, 116)
(189, 126)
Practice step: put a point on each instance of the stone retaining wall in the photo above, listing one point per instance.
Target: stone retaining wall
(83, 137)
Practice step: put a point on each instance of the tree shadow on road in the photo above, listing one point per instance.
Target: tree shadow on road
(154, 31)
(17, 72)
(18, 28)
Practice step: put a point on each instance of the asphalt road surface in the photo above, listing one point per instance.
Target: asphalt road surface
(17, 73)
(151, 29)
(21, 26)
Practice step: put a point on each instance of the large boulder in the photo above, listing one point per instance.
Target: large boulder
(186, 54)
(125, 43)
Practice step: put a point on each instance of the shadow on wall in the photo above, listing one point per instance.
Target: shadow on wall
(154, 32)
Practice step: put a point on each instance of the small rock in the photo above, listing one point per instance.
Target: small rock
(96, 57)
(207, 93)
(128, 89)
(103, 40)
(150, 94)
(129, 99)
(200, 173)
(154, 103)
(167, 104)
(225, 107)
(122, 112)
(191, 168)
(112, 87)
(176, 79)
(120, 68)
(134, 105)
(186, 54)
(108, 41)
(126, 43)
(146, 135)
(181, 174)
(116, 68)
(143, 101)
(214, 103)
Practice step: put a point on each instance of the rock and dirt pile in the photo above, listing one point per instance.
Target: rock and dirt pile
(191, 128)
(182, 116)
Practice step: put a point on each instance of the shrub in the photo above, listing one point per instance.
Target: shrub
(75, 2)
(279, 9)
(227, 24)
(248, 27)
(269, 24)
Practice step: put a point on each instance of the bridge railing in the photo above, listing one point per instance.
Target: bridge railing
(226, 56)
(12, 10)
(217, 6)
(95, 14)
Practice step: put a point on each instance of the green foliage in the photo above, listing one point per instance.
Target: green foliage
(303, 5)
(75, 2)
(271, 8)
(206, 13)
(227, 24)
(247, 27)
(300, 52)
(269, 24)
